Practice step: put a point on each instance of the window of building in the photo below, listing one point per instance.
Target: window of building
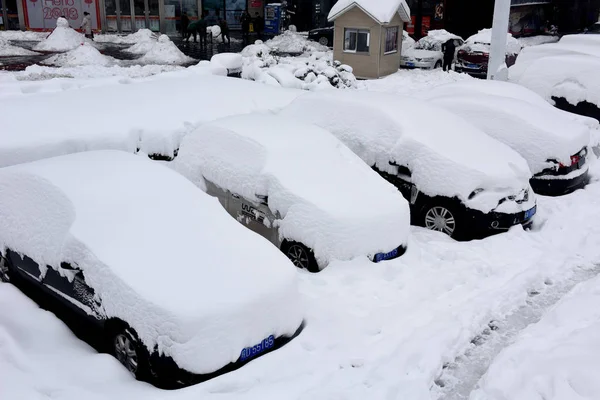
(391, 39)
(356, 40)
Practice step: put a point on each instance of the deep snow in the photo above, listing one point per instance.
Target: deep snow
(85, 54)
(374, 331)
(7, 49)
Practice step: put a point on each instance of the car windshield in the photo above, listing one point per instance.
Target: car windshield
(427, 43)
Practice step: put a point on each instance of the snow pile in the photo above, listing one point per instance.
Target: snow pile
(214, 30)
(155, 129)
(532, 54)
(408, 82)
(142, 35)
(579, 39)
(482, 40)
(62, 38)
(84, 54)
(164, 52)
(381, 10)
(537, 40)
(572, 77)
(557, 358)
(538, 134)
(407, 41)
(291, 43)
(8, 50)
(312, 71)
(231, 61)
(446, 155)
(222, 305)
(26, 36)
(309, 178)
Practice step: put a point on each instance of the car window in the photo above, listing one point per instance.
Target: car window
(25, 265)
(69, 283)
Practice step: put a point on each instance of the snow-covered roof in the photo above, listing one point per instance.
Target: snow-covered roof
(327, 197)
(382, 11)
(538, 134)
(160, 254)
(108, 122)
(573, 77)
(446, 155)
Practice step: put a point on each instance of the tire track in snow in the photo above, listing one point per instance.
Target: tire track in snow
(459, 378)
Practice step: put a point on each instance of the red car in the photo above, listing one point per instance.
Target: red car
(473, 57)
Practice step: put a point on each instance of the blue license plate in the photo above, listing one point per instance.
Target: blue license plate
(410, 64)
(251, 352)
(386, 256)
(473, 66)
(530, 213)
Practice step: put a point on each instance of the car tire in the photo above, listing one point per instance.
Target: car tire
(323, 40)
(5, 275)
(438, 65)
(300, 255)
(443, 217)
(128, 349)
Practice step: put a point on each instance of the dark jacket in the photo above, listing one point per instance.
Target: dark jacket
(224, 27)
(259, 24)
(449, 48)
(245, 20)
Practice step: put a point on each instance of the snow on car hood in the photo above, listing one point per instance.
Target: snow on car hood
(481, 42)
(538, 134)
(154, 128)
(573, 77)
(327, 198)
(446, 155)
(160, 254)
(416, 53)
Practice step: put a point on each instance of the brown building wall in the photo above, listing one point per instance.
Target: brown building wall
(389, 63)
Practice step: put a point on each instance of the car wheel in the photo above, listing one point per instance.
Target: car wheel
(301, 256)
(131, 353)
(324, 41)
(441, 218)
(4, 271)
(438, 65)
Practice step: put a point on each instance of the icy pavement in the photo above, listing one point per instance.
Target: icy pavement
(374, 331)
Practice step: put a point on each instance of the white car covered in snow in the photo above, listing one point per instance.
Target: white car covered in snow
(177, 290)
(555, 146)
(457, 179)
(427, 52)
(298, 186)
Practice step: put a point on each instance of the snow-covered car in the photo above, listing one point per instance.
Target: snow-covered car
(322, 36)
(177, 291)
(427, 52)
(555, 147)
(473, 56)
(457, 179)
(299, 187)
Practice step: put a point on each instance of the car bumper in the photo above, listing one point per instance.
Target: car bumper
(559, 187)
(417, 64)
(478, 73)
(166, 374)
(483, 225)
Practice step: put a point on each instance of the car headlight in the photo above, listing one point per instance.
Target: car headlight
(427, 59)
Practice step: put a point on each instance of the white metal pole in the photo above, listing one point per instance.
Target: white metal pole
(497, 68)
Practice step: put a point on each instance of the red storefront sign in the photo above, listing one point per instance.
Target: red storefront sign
(425, 25)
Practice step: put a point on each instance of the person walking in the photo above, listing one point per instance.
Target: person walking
(185, 23)
(86, 26)
(245, 20)
(224, 31)
(448, 48)
(202, 28)
(259, 25)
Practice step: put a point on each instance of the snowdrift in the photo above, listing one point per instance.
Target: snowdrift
(85, 54)
(62, 38)
(164, 52)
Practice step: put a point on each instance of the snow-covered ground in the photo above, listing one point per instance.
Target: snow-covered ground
(374, 331)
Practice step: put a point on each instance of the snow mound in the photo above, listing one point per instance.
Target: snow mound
(214, 30)
(291, 43)
(556, 358)
(141, 48)
(408, 82)
(223, 303)
(482, 40)
(573, 77)
(308, 177)
(164, 52)
(231, 61)
(143, 35)
(85, 54)
(538, 134)
(155, 129)
(446, 156)
(537, 40)
(8, 50)
(63, 38)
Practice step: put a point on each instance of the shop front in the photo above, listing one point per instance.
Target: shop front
(122, 15)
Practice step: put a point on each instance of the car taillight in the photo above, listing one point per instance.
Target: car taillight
(462, 52)
(575, 159)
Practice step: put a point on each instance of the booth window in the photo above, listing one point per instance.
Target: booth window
(391, 39)
(356, 40)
